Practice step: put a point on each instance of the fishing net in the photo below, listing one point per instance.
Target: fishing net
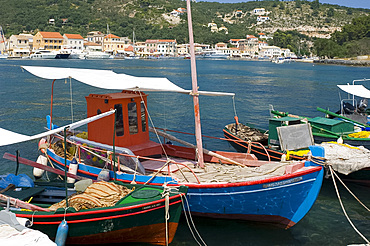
(99, 194)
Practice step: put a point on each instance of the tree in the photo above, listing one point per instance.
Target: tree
(330, 12)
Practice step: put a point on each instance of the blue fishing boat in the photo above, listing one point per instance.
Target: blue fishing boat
(231, 185)
(226, 185)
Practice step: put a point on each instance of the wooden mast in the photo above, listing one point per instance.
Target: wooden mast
(198, 130)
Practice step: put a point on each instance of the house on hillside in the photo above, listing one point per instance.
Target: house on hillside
(48, 41)
(262, 19)
(259, 11)
(235, 42)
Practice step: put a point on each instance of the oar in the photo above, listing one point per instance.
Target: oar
(340, 116)
(9, 187)
(18, 203)
(37, 165)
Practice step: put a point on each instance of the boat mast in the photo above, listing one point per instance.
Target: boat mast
(194, 93)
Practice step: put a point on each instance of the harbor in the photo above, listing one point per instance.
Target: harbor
(256, 84)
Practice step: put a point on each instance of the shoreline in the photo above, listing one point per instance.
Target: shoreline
(364, 63)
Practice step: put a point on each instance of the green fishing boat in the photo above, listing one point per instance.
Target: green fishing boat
(142, 213)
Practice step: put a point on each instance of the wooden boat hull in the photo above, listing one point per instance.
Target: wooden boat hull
(262, 153)
(352, 141)
(143, 222)
(282, 201)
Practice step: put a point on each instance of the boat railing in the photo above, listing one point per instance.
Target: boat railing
(105, 155)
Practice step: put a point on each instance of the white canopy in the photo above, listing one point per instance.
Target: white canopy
(357, 90)
(107, 79)
(9, 137)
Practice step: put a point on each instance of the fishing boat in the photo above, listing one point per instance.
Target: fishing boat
(220, 190)
(121, 213)
(248, 138)
(105, 212)
(227, 185)
(327, 129)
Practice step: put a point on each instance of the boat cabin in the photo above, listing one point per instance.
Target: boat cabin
(129, 122)
(277, 122)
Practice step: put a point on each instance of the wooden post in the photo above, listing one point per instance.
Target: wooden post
(198, 130)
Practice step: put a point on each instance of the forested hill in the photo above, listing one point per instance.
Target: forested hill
(152, 18)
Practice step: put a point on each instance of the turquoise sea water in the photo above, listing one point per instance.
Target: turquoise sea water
(295, 87)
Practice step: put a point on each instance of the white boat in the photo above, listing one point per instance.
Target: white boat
(97, 55)
(279, 60)
(214, 54)
(43, 54)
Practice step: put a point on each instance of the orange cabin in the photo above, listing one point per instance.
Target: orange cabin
(130, 120)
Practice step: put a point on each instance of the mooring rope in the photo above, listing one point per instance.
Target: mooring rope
(192, 225)
(342, 206)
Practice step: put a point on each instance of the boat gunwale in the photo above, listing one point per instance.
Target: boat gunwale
(311, 169)
(30, 214)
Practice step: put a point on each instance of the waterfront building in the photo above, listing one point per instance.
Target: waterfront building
(48, 41)
(270, 52)
(20, 45)
(74, 41)
(95, 37)
(113, 44)
(160, 47)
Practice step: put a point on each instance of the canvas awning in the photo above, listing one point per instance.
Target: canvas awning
(9, 137)
(357, 90)
(107, 79)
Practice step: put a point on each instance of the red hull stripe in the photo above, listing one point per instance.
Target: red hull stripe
(100, 211)
(247, 183)
(94, 219)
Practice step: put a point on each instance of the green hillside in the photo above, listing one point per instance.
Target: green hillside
(295, 24)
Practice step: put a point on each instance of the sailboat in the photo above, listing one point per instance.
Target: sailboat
(132, 56)
(225, 185)
(3, 55)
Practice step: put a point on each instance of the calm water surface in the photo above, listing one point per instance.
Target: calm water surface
(296, 87)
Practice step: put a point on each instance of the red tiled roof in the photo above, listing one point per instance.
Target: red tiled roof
(51, 35)
(111, 36)
(91, 44)
(74, 36)
(130, 48)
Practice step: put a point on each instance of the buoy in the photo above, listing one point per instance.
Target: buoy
(62, 233)
(73, 166)
(103, 175)
(37, 172)
(340, 140)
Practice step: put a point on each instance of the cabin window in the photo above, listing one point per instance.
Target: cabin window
(143, 117)
(119, 120)
(132, 118)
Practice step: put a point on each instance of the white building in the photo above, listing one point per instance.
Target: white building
(73, 41)
(262, 18)
(20, 45)
(160, 47)
(270, 51)
(259, 11)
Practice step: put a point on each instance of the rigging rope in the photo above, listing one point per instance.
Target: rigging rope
(70, 92)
